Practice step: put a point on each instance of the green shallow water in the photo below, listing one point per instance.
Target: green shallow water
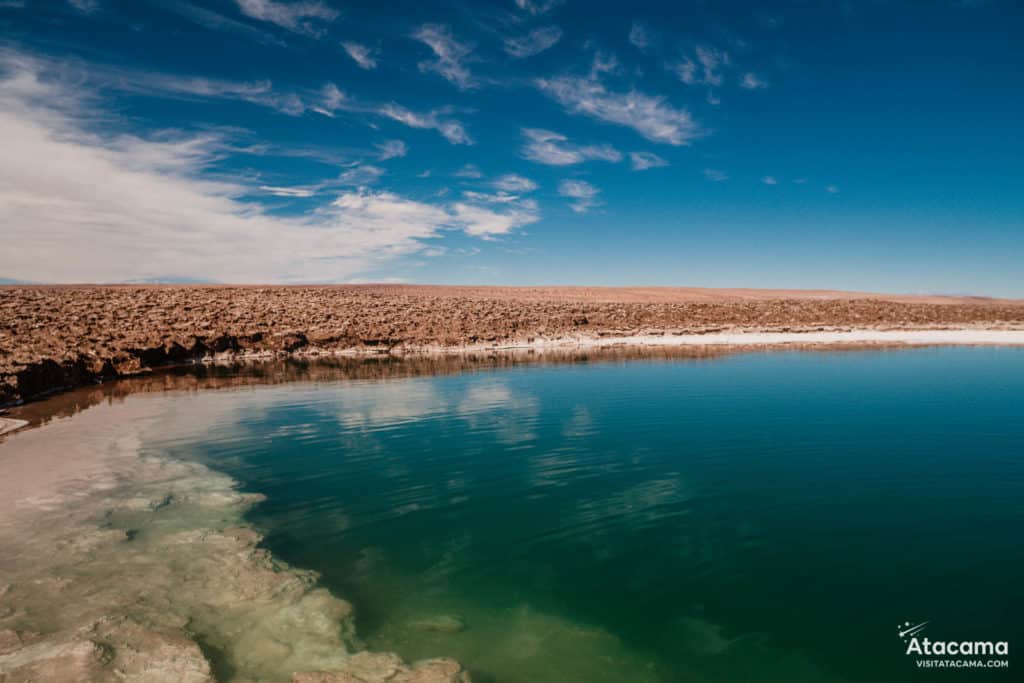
(762, 517)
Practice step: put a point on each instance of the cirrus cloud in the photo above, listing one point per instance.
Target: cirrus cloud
(299, 17)
(584, 194)
(360, 54)
(642, 161)
(555, 149)
(450, 55)
(650, 116)
(114, 196)
(533, 43)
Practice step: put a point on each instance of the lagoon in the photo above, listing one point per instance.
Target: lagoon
(770, 516)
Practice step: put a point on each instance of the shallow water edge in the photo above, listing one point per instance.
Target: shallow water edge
(122, 566)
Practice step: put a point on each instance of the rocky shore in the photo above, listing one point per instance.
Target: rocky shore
(59, 337)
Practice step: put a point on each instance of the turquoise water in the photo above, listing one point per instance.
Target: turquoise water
(762, 517)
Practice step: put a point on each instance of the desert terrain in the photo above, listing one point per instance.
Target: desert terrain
(58, 337)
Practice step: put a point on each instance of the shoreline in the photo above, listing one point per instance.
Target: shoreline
(865, 337)
(47, 378)
(58, 337)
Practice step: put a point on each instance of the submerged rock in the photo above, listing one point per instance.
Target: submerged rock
(383, 668)
(143, 569)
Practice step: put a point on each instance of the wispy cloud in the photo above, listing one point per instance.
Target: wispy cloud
(216, 22)
(449, 55)
(534, 42)
(360, 54)
(536, 7)
(297, 192)
(640, 36)
(555, 149)
(300, 17)
(584, 194)
(469, 171)
(361, 175)
(770, 180)
(512, 182)
(87, 6)
(705, 68)
(327, 101)
(650, 116)
(715, 175)
(832, 189)
(489, 215)
(255, 92)
(752, 81)
(603, 63)
(391, 149)
(452, 130)
(642, 161)
(114, 195)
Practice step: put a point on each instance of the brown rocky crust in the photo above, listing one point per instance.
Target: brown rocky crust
(54, 338)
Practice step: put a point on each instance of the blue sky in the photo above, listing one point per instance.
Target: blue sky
(856, 145)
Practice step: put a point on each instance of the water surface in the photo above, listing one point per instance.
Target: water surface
(761, 517)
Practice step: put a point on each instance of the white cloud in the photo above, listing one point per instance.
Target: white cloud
(534, 42)
(711, 60)
(603, 63)
(554, 149)
(644, 160)
(332, 99)
(66, 191)
(360, 54)
(361, 175)
(288, 191)
(300, 17)
(832, 189)
(769, 180)
(640, 36)
(452, 130)
(255, 92)
(485, 215)
(392, 149)
(328, 100)
(482, 221)
(706, 70)
(752, 81)
(715, 175)
(686, 70)
(800, 181)
(450, 54)
(512, 182)
(649, 116)
(583, 192)
(537, 7)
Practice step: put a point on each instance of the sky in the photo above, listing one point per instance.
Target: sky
(872, 146)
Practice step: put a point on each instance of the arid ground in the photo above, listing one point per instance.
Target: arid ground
(55, 337)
